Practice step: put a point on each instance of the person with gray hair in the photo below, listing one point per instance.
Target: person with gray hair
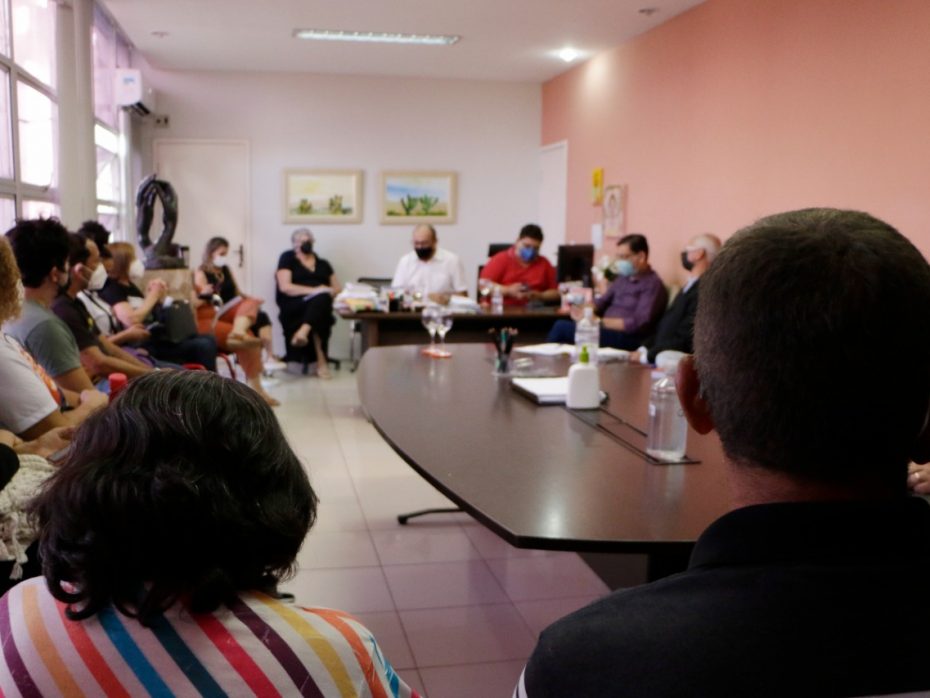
(674, 336)
(306, 285)
(813, 583)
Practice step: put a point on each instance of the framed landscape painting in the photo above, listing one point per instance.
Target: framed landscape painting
(323, 196)
(418, 197)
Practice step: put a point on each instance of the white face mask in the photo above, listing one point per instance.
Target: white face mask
(221, 260)
(97, 279)
(136, 270)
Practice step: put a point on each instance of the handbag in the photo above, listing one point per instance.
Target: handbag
(174, 322)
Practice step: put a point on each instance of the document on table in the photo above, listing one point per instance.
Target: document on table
(545, 391)
(604, 354)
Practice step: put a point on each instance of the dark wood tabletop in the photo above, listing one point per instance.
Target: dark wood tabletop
(540, 477)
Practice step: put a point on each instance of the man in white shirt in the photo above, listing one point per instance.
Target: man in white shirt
(429, 268)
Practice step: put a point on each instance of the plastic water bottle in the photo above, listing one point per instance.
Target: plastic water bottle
(668, 430)
(497, 301)
(587, 334)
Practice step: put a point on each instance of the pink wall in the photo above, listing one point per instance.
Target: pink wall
(741, 108)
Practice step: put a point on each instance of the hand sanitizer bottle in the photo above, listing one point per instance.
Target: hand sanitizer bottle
(497, 301)
(584, 390)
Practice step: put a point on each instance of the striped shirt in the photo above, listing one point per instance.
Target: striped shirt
(253, 646)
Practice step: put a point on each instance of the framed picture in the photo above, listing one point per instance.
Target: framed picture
(323, 196)
(418, 197)
(615, 211)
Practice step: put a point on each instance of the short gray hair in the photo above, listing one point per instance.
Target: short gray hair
(302, 232)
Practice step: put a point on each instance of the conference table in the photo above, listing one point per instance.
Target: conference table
(404, 327)
(544, 476)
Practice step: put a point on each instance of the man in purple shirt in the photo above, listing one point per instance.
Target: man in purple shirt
(631, 306)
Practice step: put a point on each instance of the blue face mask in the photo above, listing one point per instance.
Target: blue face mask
(625, 267)
(527, 254)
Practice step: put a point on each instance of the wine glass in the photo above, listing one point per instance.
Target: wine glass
(443, 325)
(430, 319)
(485, 287)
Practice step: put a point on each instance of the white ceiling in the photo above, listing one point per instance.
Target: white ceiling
(501, 39)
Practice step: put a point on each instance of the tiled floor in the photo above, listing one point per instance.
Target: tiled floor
(455, 609)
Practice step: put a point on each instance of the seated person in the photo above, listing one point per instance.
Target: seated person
(99, 356)
(522, 274)
(31, 403)
(807, 586)
(23, 470)
(306, 285)
(242, 327)
(41, 248)
(430, 268)
(162, 548)
(133, 307)
(632, 305)
(674, 336)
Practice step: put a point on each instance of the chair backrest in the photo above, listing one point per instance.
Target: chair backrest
(496, 247)
(375, 281)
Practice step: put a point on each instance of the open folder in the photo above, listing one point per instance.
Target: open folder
(545, 391)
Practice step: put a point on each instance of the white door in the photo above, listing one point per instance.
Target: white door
(211, 179)
(553, 194)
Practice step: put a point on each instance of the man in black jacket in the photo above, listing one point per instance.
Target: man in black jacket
(675, 331)
(813, 583)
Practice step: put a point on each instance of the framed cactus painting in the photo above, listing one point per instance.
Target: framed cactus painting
(418, 197)
(323, 196)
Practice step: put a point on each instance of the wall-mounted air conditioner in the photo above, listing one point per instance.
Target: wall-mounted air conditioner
(130, 92)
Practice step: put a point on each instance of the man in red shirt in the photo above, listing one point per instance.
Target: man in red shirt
(522, 274)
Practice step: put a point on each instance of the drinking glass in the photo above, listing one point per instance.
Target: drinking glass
(430, 319)
(443, 325)
(485, 287)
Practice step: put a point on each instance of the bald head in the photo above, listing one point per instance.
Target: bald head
(424, 241)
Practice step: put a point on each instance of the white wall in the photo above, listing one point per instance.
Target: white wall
(488, 132)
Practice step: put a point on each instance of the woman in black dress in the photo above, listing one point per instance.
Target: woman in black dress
(306, 286)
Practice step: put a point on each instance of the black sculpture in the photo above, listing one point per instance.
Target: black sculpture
(164, 254)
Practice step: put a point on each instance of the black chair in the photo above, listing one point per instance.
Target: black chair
(496, 247)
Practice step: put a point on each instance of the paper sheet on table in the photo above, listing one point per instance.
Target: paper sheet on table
(553, 349)
(545, 391)
(548, 349)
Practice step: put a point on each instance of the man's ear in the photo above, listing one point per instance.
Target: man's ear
(697, 412)
(921, 452)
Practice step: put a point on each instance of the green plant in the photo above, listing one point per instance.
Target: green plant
(408, 203)
(427, 202)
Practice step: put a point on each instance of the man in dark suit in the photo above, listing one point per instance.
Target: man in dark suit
(675, 331)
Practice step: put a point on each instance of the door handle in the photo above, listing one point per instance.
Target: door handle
(241, 252)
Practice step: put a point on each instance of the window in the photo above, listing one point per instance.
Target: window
(28, 109)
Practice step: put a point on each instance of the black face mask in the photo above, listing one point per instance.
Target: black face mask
(423, 253)
(685, 262)
(306, 247)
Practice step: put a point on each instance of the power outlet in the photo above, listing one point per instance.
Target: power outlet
(162, 121)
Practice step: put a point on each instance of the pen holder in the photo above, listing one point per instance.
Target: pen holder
(503, 343)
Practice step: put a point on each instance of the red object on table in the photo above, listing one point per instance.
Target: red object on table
(117, 383)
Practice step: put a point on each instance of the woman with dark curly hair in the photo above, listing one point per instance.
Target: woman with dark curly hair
(163, 535)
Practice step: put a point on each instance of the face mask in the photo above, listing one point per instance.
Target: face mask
(98, 278)
(527, 254)
(685, 262)
(136, 270)
(625, 267)
(306, 247)
(423, 253)
(220, 260)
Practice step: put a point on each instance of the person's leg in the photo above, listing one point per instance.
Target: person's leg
(562, 332)
(322, 365)
(251, 362)
(239, 336)
(199, 349)
(620, 340)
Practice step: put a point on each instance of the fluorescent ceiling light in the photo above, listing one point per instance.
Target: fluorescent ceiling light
(568, 54)
(376, 37)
